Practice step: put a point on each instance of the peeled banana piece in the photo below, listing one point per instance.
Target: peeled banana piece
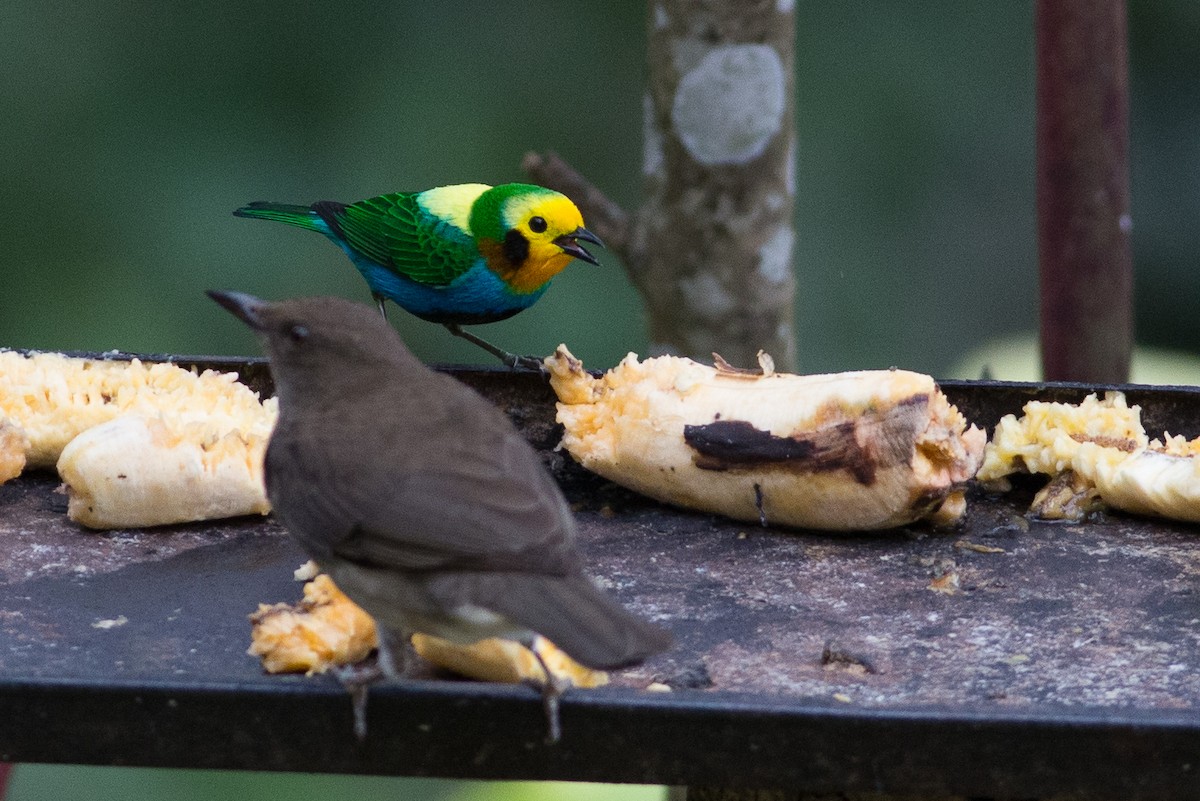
(137, 444)
(841, 452)
(1102, 444)
(136, 471)
(324, 630)
(327, 629)
(505, 661)
(53, 398)
(13, 445)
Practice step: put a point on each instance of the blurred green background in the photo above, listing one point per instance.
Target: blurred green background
(59, 783)
(131, 130)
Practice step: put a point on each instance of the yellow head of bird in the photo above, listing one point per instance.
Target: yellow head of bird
(542, 230)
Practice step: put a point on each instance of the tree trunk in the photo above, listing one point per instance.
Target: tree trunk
(711, 248)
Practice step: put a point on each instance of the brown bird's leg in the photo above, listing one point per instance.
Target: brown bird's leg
(510, 359)
(551, 689)
(358, 678)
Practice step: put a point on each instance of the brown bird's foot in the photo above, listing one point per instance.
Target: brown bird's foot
(510, 360)
(551, 689)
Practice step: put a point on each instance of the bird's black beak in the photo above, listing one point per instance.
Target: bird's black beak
(570, 244)
(245, 307)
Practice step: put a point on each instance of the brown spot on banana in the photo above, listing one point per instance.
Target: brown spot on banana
(861, 446)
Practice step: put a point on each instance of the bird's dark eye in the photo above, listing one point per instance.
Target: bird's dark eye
(297, 333)
(537, 225)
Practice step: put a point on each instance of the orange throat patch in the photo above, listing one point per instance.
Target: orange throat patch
(543, 263)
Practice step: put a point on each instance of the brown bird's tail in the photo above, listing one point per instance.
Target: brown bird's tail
(571, 612)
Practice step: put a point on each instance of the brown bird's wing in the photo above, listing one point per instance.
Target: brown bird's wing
(478, 499)
(296, 480)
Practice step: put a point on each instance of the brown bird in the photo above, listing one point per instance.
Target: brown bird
(420, 498)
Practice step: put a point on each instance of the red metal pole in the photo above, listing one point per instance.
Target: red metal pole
(1083, 190)
(5, 772)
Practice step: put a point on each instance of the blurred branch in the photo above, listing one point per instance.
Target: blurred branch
(711, 247)
(604, 218)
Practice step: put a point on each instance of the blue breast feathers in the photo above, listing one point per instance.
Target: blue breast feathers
(476, 296)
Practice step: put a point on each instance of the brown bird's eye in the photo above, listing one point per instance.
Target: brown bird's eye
(298, 333)
(537, 225)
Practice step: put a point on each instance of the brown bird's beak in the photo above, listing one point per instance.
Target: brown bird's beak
(245, 307)
(570, 244)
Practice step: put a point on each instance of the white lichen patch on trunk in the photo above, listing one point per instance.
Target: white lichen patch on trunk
(652, 139)
(775, 256)
(730, 105)
(661, 20)
(706, 297)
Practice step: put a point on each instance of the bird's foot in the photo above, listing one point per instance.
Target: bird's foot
(511, 360)
(515, 362)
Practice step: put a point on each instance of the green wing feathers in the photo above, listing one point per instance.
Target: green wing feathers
(393, 230)
(302, 216)
(390, 230)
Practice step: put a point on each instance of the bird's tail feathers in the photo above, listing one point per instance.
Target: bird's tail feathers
(290, 213)
(571, 612)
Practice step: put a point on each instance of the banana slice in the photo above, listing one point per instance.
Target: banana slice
(137, 444)
(505, 661)
(323, 630)
(1104, 448)
(13, 445)
(328, 629)
(845, 451)
(53, 398)
(137, 471)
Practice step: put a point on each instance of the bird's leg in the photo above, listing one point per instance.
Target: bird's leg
(552, 689)
(393, 655)
(358, 678)
(380, 300)
(510, 359)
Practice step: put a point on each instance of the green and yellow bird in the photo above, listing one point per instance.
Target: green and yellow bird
(456, 255)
